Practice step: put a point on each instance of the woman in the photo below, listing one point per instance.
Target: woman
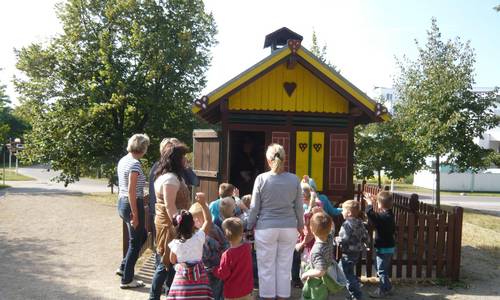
(172, 194)
(131, 181)
(276, 212)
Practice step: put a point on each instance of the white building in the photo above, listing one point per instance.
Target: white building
(486, 180)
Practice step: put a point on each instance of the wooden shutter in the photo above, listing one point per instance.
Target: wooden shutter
(206, 161)
(309, 156)
(283, 138)
(338, 162)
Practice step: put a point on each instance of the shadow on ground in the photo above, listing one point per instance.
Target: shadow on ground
(27, 273)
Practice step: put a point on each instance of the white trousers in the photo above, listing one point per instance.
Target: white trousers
(274, 248)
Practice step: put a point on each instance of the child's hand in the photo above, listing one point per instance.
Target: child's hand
(304, 277)
(236, 192)
(305, 179)
(368, 198)
(316, 209)
(338, 240)
(200, 198)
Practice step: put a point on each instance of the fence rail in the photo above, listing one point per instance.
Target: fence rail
(428, 239)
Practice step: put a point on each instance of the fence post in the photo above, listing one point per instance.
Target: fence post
(459, 214)
(414, 203)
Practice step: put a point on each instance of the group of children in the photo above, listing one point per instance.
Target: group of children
(214, 257)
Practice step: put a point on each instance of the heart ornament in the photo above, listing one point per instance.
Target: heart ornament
(289, 88)
(202, 103)
(302, 147)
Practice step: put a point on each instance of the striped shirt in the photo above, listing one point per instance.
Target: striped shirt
(126, 165)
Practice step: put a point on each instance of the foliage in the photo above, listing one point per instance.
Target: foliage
(497, 8)
(380, 147)
(437, 108)
(11, 126)
(120, 67)
(321, 52)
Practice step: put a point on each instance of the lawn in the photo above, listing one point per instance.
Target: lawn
(10, 175)
(3, 186)
(104, 198)
(481, 231)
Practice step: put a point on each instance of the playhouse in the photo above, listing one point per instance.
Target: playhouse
(291, 98)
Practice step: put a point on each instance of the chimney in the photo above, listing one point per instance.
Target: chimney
(280, 37)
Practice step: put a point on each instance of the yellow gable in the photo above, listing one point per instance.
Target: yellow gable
(310, 94)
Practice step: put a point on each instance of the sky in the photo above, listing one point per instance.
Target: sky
(363, 37)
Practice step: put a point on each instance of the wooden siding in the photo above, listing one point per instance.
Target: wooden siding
(310, 95)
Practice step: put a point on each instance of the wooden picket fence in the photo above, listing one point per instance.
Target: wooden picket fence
(428, 239)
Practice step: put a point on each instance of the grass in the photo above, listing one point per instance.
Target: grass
(480, 231)
(104, 198)
(3, 186)
(10, 175)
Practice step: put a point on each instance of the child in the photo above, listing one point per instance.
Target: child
(225, 190)
(305, 240)
(215, 244)
(226, 210)
(319, 283)
(353, 237)
(385, 226)
(235, 267)
(186, 250)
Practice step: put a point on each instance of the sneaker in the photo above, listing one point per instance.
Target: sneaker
(119, 272)
(378, 293)
(132, 285)
(297, 284)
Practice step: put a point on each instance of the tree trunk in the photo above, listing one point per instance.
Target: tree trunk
(438, 180)
(379, 179)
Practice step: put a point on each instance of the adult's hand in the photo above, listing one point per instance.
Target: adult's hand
(134, 220)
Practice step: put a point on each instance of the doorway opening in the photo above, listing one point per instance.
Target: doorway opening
(247, 158)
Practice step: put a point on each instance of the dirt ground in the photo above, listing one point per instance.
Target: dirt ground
(55, 245)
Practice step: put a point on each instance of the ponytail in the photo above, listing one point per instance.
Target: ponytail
(276, 155)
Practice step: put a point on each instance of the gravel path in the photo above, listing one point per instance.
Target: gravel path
(59, 246)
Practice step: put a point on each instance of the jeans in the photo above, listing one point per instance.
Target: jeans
(162, 277)
(137, 237)
(348, 262)
(255, 269)
(383, 265)
(217, 286)
(296, 266)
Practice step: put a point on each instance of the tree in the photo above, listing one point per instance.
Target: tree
(437, 107)
(497, 8)
(321, 52)
(120, 67)
(11, 125)
(380, 147)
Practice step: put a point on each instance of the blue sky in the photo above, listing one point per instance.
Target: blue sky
(363, 37)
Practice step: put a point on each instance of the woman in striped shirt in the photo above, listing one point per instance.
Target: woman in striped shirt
(131, 181)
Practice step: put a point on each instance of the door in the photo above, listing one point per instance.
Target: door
(309, 156)
(206, 161)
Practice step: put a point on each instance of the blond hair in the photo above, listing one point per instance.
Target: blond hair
(353, 207)
(247, 200)
(385, 199)
(196, 209)
(276, 155)
(166, 141)
(321, 224)
(233, 228)
(138, 143)
(226, 207)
